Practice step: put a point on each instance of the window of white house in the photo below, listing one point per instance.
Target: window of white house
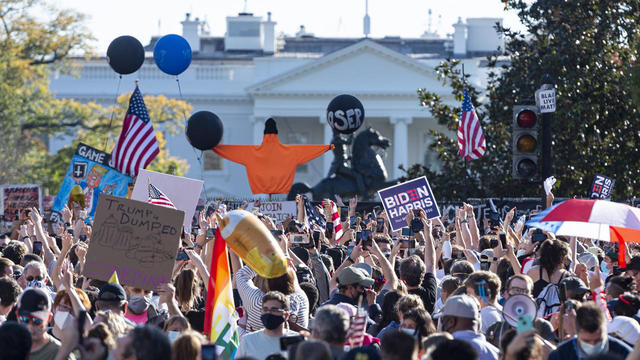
(211, 161)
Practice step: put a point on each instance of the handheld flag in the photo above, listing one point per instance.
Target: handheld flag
(471, 141)
(157, 197)
(220, 322)
(335, 218)
(137, 144)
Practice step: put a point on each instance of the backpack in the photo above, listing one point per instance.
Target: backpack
(548, 300)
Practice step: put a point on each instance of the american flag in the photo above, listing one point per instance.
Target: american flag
(355, 335)
(335, 218)
(137, 144)
(313, 216)
(157, 197)
(471, 141)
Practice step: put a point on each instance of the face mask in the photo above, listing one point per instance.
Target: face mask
(591, 350)
(411, 332)
(62, 319)
(271, 321)
(38, 284)
(138, 303)
(521, 252)
(173, 335)
(603, 267)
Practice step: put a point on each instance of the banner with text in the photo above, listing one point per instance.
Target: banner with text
(399, 199)
(17, 197)
(89, 175)
(137, 239)
(601, 187)
(277, 210)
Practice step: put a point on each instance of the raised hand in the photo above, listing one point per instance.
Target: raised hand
(66, 214)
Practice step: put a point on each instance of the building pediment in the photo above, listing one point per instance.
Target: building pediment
(365, 68)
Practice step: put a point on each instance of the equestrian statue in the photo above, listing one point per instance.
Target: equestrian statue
(363, 173)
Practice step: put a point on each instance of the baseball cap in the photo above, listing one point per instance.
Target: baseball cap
(352, 275)
(486, 254)
(36, 302)
(463, 306)
(624, 328)
(366, 267)
(574, 284)
(112, 292)
(634, 264)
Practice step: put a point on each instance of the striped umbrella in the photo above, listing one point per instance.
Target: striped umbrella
(596, 219)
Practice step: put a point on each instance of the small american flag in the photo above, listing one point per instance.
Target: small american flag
(137, 144)
(335, 218)
(471, 141)
(313, 216)
(355, 335)
(157, 197)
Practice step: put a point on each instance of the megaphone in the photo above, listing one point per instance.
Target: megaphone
(516, 307)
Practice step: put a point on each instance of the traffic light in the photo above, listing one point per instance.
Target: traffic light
(525, 142)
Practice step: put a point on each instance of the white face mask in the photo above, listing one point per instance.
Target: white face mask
(591, 350)
(521, 252)
(173, 335)
(62, 319)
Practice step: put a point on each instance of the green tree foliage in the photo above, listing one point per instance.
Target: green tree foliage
(36, 39)
(587, 47)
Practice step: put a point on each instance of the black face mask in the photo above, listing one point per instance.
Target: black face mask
(271, 322)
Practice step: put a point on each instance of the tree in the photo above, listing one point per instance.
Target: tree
(586, 46)
(36, 39)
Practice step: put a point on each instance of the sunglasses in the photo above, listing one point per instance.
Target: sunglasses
(25, 319)
(31, 278)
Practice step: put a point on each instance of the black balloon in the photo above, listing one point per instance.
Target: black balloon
(345, 114)
(204, 130)
(125, 55)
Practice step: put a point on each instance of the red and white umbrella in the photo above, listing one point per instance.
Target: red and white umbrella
(596, 219)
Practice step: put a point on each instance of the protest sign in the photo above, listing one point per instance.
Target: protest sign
(601, 187)
(399, 199)
(89, 173)
(137, 239)
(183, 192)
(277, 210)
(17, 197)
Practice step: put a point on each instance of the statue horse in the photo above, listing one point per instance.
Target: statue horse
(365, 162)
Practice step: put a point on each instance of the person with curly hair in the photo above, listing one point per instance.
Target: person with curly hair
(550, 268)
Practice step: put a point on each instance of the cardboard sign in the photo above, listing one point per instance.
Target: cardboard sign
(277, 210)
(183, 192)
(17, 197)
(601, 187)
(90, 173)
(137, 239)
(399, 199)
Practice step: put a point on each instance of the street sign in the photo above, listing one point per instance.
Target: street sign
(546, 100)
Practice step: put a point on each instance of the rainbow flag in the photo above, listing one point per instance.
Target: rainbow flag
(220, 321)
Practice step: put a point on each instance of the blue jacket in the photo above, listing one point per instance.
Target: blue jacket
(568, 350)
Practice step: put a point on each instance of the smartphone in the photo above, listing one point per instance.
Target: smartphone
(379, 225)
(211, 233)
(525, 323)
(70, 231)
(503, 239)
(328, 231)
(82, 317)
(315, 236)
(182, 255)
(494, 219)
(407, 232)
(349, 250)
(416, 212)
(276, 233)
(208, 352)
(359, 236)
(298, 238)
(416, 225)
(344, 212)
(407, 244)
(538, 236)
(352, 221)
(83, 238)
(493, 243)
(37, 247)
(286, 341)
(367, 240)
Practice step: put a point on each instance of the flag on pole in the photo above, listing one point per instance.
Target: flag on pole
(157, 197)
(355, 335)
(313, 216)
(471, 141)
(137, 144)
(220, 321)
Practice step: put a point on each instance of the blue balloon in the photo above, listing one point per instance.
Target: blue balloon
(172, 54)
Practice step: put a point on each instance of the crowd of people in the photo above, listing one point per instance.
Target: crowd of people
(454, 288)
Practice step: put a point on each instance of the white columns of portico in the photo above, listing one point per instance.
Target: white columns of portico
(258, 129)
(400, 144)
(327, 158)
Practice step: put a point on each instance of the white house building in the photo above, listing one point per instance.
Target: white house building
(251, 74)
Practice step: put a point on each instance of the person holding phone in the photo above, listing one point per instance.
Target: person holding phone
(266, 341)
